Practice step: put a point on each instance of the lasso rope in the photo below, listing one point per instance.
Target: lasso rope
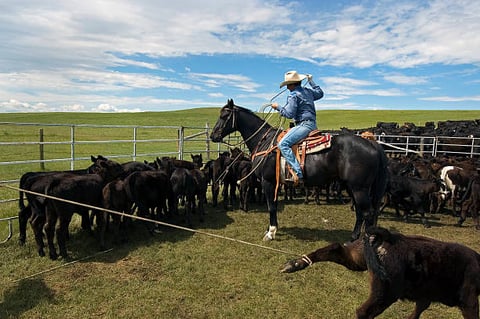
(63, 265)
(397, 147)
(147, 220)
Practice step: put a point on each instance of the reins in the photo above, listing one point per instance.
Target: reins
(254, 154)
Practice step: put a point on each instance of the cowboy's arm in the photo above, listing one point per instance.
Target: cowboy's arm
(316, 89)
(290, 108)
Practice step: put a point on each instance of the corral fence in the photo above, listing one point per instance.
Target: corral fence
(38, 147)
(430, 145)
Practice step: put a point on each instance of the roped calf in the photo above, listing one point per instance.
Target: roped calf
(414, 268)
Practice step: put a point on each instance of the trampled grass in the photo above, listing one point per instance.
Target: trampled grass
(182, 274)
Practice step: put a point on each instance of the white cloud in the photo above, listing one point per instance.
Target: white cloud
(404, 79)
(218, 80)
(451, 98)
(60, 55)
(339, 88)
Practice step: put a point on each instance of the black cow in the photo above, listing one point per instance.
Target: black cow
(150, 191)
(471, 202)
(35, 209)
(189, 185)
(414, 195)
(85, 189)
(115, 198)
(415, 268)
(128, 167)
(222, 175)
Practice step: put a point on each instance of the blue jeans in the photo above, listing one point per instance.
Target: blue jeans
(293, 136)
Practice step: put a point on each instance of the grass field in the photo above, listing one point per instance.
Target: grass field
(182, 274)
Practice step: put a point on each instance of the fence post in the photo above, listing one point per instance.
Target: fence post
(181, 136)
(72, 147)
(207, 140)
(42, 152)
(422, 146)
(472, 147)
(134, 143)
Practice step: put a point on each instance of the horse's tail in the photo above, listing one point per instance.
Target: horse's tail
(380, 183)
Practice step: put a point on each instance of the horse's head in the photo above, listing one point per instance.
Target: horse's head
(226, 122)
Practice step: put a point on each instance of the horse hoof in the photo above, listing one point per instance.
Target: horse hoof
(267, 237)
(270, 233)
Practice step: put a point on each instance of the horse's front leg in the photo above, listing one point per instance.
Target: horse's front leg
(269, 191)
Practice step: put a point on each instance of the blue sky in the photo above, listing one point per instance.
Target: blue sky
(147, 55)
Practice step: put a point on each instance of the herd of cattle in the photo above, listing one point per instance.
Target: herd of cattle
(417, 185)
(150, 190)
(154, 190)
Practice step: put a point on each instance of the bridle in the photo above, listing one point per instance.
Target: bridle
(233, 115)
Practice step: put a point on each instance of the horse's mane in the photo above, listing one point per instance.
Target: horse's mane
(244, 109)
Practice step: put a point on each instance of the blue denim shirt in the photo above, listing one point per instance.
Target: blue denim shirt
(300, 103)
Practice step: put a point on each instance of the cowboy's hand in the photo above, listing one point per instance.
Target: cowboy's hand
(309, 77)
(274, 106)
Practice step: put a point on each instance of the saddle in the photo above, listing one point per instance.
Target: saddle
(315, 142)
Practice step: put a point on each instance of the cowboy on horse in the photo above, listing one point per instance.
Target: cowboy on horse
(300, 107)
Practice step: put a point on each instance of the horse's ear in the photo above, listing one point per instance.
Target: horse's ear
(230, 103)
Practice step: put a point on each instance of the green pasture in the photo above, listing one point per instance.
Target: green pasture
(183, 274)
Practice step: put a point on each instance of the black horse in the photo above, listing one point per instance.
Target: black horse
(361, 164)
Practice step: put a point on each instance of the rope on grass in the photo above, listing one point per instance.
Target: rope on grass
(63, 265)
(151, 221)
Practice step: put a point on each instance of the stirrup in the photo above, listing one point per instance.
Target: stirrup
(295, 180)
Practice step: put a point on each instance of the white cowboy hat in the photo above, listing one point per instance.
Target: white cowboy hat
(292, 77)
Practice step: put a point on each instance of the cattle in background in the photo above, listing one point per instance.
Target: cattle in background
(149, 191)
(84, 189)
(128, 167)
(456, 180)
(414, 195)
(460, 179)
(471, 202)
(197, 160)
(115, 198)
(415, 268)
(222, 175)
(35, 209)
(189, 185)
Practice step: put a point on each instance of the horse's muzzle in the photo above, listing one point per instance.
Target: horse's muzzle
(215, 137)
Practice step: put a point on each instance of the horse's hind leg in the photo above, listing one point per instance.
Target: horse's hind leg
(365, 216)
